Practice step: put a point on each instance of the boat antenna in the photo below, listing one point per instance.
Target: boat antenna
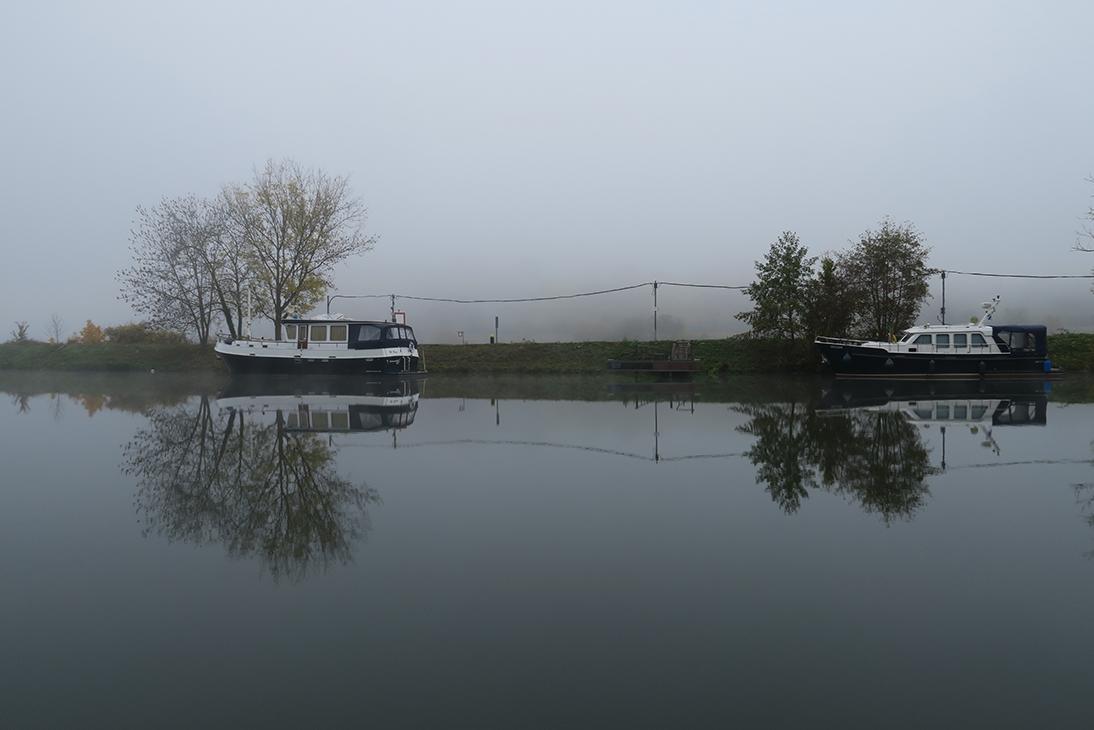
(248, 313)
(989, 310)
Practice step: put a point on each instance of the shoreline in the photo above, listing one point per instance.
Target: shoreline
(739, 355)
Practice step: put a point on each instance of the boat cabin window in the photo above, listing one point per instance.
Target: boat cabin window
(961, 340)
(943, 410)
(368, 333)
(942, 340)
(1018, 340)
(978, 412)
(922, 340)
(960, 413)
(978, 340)
(290, 332)
(318, 333)
(338, 333)
(907, 336)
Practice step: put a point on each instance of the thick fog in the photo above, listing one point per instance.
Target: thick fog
(519, 149)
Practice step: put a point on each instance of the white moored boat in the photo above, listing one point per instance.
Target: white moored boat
(326, 345)
(975, 349)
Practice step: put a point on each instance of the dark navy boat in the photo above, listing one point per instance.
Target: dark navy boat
(326, 345)
(969, 350)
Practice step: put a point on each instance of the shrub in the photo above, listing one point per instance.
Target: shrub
(91, 334)
(20, 332)
(135, 333)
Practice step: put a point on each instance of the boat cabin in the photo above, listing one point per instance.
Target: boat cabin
(975, 340)
(351, 334)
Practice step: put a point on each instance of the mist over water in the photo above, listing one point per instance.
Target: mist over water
(520, 150)
(703, 313)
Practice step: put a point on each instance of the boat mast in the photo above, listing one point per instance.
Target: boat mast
(989, 310)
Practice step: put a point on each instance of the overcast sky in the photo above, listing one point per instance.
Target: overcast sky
(512, 149)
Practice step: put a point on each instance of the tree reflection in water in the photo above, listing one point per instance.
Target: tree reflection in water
(207, 475)
(875, 458)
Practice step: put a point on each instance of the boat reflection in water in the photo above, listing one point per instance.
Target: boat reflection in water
(979, 407)
(865, 440)
(255, 469)
(330, 406)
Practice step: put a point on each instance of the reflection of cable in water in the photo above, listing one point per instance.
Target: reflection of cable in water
(549, 444)
(1021, 463)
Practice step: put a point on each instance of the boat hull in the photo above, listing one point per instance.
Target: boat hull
(850, 361)
(259, 365)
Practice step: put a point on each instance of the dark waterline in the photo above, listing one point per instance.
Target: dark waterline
(545, 552)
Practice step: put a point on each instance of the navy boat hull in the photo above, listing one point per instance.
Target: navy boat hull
(258, 365)
(846, 360)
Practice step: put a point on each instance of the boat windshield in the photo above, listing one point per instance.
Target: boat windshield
(906, 336)
(368, 333)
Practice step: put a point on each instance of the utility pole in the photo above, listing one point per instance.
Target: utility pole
(655, 311)
(943, 296)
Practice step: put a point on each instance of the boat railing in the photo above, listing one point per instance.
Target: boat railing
(838, 341)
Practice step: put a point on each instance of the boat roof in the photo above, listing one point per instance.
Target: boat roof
(970, 327)
(973, 327)
(341, 318)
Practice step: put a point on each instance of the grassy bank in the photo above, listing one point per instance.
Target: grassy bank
(108, 356)
(1074, 352)
(734, 354)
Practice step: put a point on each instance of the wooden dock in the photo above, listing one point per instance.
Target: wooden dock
(680, 361)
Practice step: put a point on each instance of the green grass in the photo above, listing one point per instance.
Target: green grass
(107, 356)
(733, 354)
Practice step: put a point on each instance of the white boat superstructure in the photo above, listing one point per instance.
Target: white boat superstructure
(325, 345)
(954, 349)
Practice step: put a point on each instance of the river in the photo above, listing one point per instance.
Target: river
(545, 552)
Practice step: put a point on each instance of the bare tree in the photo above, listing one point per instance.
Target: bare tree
(56, 327)
(234, 274)
(296, 224)
(1085, 241)
(19, 333)
(170, 279)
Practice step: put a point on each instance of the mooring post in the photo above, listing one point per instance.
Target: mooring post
(392, 307)
(655, 311)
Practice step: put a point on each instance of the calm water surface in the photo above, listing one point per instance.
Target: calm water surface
(524, 552)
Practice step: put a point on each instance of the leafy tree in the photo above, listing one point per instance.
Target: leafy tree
(888, 275)
(831, 307)
(779, 292)
(91, 334)
(295, 225)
